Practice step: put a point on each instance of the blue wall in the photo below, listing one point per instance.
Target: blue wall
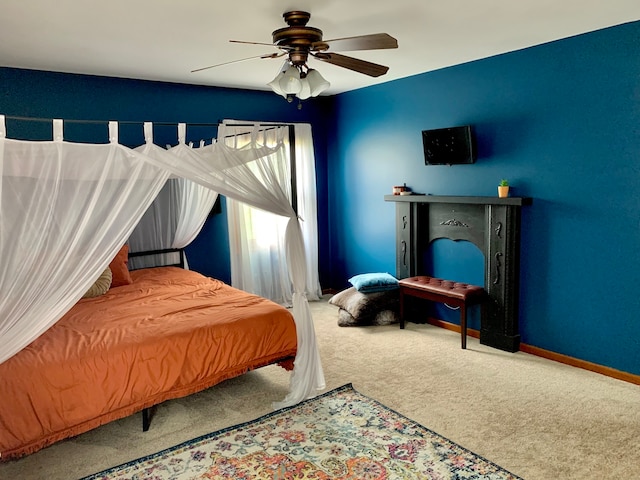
(38, 94)
(561, 121)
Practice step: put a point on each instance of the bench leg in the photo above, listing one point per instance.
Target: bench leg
(401, 309)
(463, 324)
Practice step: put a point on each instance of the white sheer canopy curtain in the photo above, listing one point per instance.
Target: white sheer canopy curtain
(178, 213)
(245, 171)
(67, 208)
(65, 211)
(156, 229)
(256, 237)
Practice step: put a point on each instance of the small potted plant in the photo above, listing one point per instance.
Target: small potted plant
(503, 188)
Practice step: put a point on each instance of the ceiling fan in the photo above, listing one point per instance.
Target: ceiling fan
(298, 41)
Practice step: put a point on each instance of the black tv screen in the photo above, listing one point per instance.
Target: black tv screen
(449, 146)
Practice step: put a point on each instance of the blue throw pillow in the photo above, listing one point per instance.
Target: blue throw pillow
(374, 282)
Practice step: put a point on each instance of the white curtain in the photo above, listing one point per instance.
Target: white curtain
(308, 205)
(195, 201)
(256, 237)
(258, 252)
(156, 229)
(246, 171)
(176, 216)
(65, 211)
(67, 208)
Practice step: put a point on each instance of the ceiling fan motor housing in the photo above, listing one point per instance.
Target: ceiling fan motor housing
(297, 38)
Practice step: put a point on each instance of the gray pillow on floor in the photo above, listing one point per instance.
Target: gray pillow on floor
(363, 308)
(384, 317)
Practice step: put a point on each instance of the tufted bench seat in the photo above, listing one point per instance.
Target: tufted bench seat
(455, 294)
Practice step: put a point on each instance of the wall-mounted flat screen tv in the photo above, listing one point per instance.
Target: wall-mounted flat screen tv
(449, 146)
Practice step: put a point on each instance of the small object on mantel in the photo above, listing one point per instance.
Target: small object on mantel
(400, 189)
(503, 188)
(406, 192)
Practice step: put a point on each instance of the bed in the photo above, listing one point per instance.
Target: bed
(169, 333)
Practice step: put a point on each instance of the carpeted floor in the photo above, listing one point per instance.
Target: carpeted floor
(539, 419)
(338, 435)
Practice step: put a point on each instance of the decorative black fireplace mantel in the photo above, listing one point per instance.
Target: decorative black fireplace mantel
(490, 223)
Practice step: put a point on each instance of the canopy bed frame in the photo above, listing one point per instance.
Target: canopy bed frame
(168, 332)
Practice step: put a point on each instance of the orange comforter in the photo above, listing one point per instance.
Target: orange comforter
(172, 332)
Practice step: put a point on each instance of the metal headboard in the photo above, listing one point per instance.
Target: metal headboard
(146, 253)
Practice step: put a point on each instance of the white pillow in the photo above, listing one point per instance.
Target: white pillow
(101, 285)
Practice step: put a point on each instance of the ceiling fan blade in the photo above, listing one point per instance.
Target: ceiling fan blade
(268, 55)
(375, 41)
(355, 64)
(260, 43)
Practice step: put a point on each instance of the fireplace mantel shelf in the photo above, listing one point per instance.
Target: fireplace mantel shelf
(469, 200)
(493, 225)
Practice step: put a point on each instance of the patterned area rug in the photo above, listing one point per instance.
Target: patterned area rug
(341, 434)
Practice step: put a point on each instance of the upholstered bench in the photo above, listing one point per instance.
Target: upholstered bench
(455, 294)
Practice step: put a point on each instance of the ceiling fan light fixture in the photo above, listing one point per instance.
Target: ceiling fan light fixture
(317, 83)
(305, 91)
(290, 82)
(275, 85)
(298, 81)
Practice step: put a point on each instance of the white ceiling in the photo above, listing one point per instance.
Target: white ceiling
(166, 39)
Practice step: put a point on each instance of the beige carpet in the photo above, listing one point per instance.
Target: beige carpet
(539, 419)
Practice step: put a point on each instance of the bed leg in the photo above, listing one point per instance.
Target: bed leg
(146, 419)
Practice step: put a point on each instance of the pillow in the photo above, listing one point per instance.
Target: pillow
(374, 282)
(384, 317)
(345, 319)
(101, 285)
(119, 268)
(365, 306)
(387, 317)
